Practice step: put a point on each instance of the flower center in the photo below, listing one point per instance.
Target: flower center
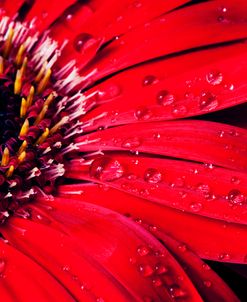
(39, 115)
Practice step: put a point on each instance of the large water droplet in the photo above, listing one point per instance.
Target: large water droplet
(83, 41)
(165, 98)
(106, 169)
(214, 77)
(157, 282)
(142, 113)
(208, 101)
(132, 142)
(152, 176)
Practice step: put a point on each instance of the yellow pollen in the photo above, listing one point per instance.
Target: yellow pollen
(22, 148)
(41, 115)
(22, 157)
(24, 128)
(41, 72)
(1, 65)
(43, 83)
(8, 43)
(19, 56)
(24, 107)
(5, 157)
(30, 97)
(43, 137)
(18, 82)
(10, 171)
(63, 121)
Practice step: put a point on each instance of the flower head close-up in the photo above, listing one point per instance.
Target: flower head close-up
(123, 151)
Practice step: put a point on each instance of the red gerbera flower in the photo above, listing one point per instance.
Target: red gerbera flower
(118, 177)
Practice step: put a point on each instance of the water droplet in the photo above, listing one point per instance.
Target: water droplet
(207, 283)
(165, 98)
(179, 110)
(157, 282)
(106, 169)
(131, 143)
(195, 207)
(149, 80)
(100, 299)
(182, 248)
(214, 77)
(156, 136)
(66, 268)
(83, 41)
(132, 260)
(235, 180)
(236, 197)
(160, 269)
(224, 257)
(146, 270)
(203, 188)
(143, 250)
(152, 176)
(2, 265)
(176, 291)
(142, 113)
(208, 101)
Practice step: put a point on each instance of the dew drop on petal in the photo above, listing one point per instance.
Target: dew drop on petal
(207, 283)
(142, 113)
(214, 77)
(176, 291)
(236, 197)
(208, 101)
(106, 169)
(182, 248)
(82, 41)
(224, 257)
(235, 180)
(152, 176)
(2, 265)
(149, 80)
(195, 207)
(160, 269)
(179, 110)
(132, 142)
(143, 250)
(165, 98)
(157, 282)
(146, 270)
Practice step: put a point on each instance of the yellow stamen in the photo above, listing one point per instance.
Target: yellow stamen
(19, 56)
(24, 66)
(24, 107)
(18, 82)
(22, 148)
(10, 171)
(8, 43)
(22, 157)
(43, 83)
(43, 137)
(41, 72)
(50, 98)
(1, 65)
(24, 128)
(41, 115)
(30, 97)
(63, 121)
(5, 157)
